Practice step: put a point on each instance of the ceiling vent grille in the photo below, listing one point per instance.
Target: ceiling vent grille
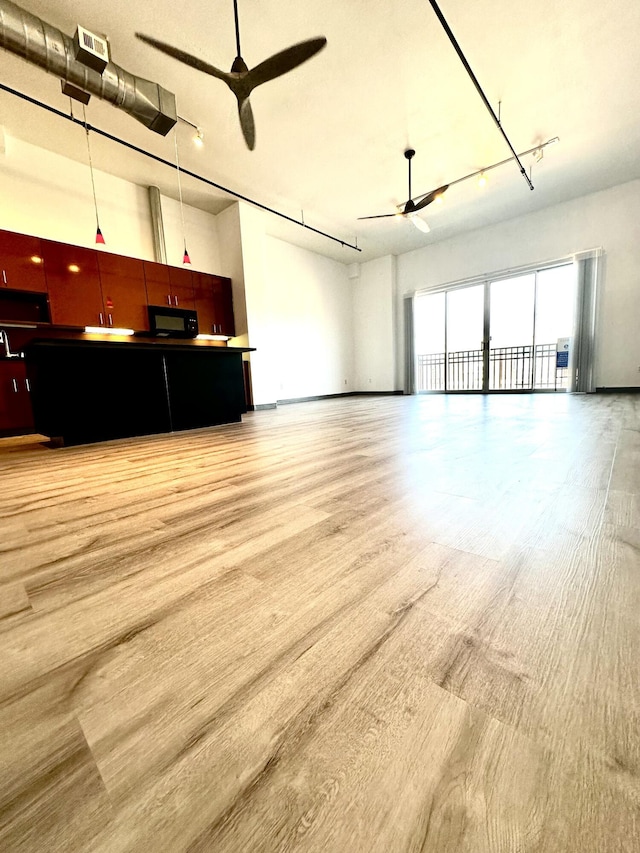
(91, 50)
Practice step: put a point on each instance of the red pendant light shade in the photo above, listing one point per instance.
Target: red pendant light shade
(99, 237)
(185, 258)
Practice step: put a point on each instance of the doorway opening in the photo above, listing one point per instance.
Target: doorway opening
(508, 333)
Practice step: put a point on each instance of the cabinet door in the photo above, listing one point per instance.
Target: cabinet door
(181, 288)
(205, 302)
(157, 283)
(123, 292)
(21, 262)
(15, 403)
(223, 298)
(73, 280)
(205, 388)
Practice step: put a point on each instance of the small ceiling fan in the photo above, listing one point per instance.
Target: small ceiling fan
(410, 209)
(242, 80)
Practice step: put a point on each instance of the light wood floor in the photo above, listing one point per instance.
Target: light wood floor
(367, 625)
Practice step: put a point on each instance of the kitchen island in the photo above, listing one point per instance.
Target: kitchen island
(94, 390)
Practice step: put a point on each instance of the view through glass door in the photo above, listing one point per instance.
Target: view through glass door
(501, 335)
(465, 335)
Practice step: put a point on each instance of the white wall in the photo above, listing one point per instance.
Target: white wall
(44, 194)
(200, 232)
(231, 265)
(299, 314)
(310, 321)
(374, 309)
(610, 219)
(47, 195)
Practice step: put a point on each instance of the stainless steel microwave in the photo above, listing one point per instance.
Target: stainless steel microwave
(166, 322)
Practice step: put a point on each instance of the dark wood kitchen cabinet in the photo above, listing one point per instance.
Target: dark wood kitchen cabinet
(204, 302)
(124, 293)
(225, 300)
(214, 304)
(44, 281)
(182, 288)
(143, 388)
(90, 288)
(157, 283)
(21, 262)
(73, 280)
(16, 415)
(169, 285)
(204, 388)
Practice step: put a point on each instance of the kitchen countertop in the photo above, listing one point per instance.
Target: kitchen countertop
(113, 341)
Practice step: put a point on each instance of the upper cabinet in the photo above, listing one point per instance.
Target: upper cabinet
(181, 288)
(124, 294)
(169, 285)
(157, 283)
(226, 302)
(87, 287)
(21, 262)
(73, 279)
(214, 304)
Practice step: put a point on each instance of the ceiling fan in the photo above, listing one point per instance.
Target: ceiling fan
(410, 209)
(242, 80)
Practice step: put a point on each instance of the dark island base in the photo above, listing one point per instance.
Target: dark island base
(84, 392)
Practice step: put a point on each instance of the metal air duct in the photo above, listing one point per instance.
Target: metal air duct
(47, 47)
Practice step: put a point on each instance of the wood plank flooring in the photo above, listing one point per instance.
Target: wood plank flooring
(375, 625)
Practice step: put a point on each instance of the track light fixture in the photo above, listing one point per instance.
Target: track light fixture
(481, 174)
(198, 136)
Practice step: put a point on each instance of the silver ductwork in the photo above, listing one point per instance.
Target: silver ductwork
(157, 226)
(47, 47)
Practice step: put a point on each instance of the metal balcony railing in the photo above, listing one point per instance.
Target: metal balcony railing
(518, 368)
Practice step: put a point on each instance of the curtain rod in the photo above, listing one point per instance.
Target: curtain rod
(164, 162)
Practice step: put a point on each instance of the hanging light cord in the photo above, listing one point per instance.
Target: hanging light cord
(184, 233)
(93, 183)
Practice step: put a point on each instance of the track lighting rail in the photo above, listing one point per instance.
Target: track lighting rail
(171, 165)
(474, 79)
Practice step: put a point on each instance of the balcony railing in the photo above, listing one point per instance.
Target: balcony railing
(519, 368)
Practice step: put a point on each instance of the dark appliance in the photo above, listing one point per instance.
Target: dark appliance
(166, 322)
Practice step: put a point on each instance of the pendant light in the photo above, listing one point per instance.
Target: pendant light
(99, 236)
(186, 260)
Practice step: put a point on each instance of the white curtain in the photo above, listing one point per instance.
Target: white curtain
(582, 352)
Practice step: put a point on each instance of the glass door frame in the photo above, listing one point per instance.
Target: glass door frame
(485, 343)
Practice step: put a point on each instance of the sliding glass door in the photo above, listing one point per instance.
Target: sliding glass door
(465, 336)
(500, 335)
(429, 323)
(555, 301)
(511, 330)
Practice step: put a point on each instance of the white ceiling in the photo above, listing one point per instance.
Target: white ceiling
(331, 134)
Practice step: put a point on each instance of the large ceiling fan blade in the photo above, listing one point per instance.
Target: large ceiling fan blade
(247, 123)
(286, 60)
(419, 223)
(430, 197)
(187, 58)
(382, 216)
